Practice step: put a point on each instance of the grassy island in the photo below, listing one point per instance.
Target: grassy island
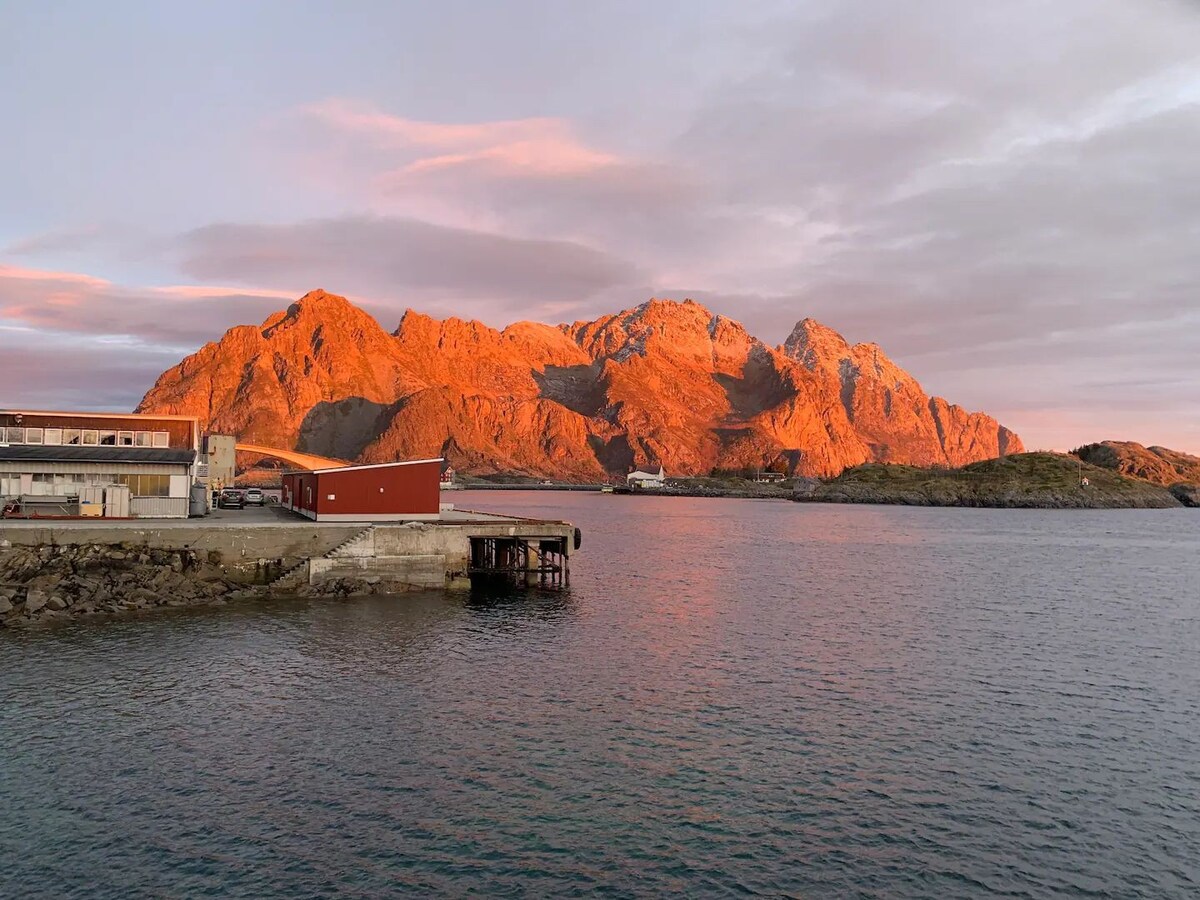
(1026, 480)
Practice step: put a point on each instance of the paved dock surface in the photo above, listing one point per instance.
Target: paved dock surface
(251, 517)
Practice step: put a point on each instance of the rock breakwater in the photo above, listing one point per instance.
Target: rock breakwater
(39, 584)
(74, 581)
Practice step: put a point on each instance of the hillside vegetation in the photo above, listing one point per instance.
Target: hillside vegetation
(1028, 480)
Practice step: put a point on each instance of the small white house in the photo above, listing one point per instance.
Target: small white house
(640, 479)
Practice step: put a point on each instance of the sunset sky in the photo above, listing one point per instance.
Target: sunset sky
(1005, 196)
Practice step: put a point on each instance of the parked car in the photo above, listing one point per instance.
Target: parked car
(231, 498)
(254, 497)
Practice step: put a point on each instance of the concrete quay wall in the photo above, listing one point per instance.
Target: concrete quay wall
(420, 555)
(415, 555)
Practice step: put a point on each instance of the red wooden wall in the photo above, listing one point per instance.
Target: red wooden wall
(406, 489)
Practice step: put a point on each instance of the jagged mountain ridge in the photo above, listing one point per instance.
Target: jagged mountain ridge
(664, 383)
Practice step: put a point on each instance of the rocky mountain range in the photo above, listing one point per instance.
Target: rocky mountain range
(665, 383)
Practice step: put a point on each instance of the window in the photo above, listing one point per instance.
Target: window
(61, 484)
(33, 435)
(108, 438)
(146, 485)
(53, 436)
(70, 436)
(55, 484)
(15, 436)
(162, 439)
(90, 438)
(141, 439)
(125, 438)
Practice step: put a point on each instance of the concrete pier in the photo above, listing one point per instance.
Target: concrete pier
(279, 551)
(451, 552)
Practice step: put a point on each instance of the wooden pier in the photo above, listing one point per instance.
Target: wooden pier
(543, 562)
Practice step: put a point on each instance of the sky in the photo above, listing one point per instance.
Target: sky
(1004, 196)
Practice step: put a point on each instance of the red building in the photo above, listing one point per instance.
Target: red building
(379, 493)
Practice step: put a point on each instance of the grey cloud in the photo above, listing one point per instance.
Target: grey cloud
(391, 256)
(57, 373)
(118, 238)
(654, 211)
(172, 320)
(1004, 187)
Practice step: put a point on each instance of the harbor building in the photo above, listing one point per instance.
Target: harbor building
(121, 465)
(386, 492)
(646, 480)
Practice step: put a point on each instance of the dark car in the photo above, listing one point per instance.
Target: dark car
(231, 499)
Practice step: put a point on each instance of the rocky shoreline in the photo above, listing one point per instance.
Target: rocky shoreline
(942, 495)
(64, 582)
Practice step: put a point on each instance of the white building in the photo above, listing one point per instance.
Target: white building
(67, 463)
(640, 479)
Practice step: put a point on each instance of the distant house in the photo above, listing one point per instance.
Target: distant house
(640, 479)
(447, 476)
(769, 477)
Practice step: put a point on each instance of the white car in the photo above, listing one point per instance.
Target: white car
(254, 497)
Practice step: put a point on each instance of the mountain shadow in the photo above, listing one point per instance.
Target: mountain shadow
(342, 428)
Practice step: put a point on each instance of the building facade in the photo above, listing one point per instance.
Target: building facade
(50, 460)
(387, 492)
(646, 480)
(220, 457)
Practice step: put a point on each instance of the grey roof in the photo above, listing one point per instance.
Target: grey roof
(77, 453)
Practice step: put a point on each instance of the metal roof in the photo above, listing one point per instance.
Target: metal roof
(78, 453)
(95, 415)
(349, 468)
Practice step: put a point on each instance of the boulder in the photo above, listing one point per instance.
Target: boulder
(35, 600)
(56, 603)
(143, 597)
(1187, 494)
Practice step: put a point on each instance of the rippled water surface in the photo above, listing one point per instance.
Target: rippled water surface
(736, 697)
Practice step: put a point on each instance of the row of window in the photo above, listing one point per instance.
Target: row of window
(68, 484)
(85, 436)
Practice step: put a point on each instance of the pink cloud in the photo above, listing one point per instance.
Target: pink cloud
(195, 291)
(16, 273)
(53, 302)
(536, 145)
